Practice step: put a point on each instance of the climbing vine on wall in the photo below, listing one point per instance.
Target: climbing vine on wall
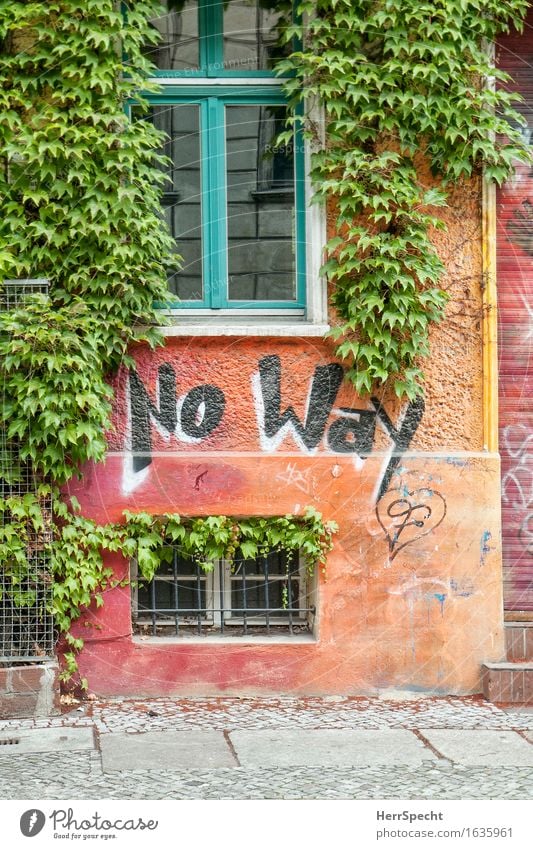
(77, 546)
(80, 206)
(79, 188)
(402, 83)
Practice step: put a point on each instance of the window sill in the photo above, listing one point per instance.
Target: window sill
(205, 328)
(238, 640)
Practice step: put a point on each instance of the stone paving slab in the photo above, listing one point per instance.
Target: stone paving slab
(157, 750)
(478, 747)
(79, 775)
(328, 748)
(25, 740)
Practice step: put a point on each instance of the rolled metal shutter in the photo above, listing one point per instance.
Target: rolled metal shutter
(515, 308)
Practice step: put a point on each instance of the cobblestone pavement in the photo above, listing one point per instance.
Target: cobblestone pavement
(79, 775)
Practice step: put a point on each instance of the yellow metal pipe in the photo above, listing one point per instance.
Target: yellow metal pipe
(490, 320)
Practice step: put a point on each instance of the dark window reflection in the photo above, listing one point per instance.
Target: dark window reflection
(271, 582)
(260, 205)
(179, 47)
(253, 34)
(182, 193)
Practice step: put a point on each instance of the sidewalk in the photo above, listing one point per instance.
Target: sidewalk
(283, 748)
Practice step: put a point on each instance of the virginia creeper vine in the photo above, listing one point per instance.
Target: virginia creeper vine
(400, 82)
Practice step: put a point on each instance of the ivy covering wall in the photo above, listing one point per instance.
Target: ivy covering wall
(402, 83)
(79, 189)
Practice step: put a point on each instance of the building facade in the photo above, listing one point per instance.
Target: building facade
(245, 412)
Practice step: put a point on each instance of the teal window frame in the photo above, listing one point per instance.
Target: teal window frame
(212, 98)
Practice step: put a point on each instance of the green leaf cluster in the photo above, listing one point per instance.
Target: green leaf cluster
(80, 188)
(212, 538)
(401, 82)
(56, 403)
(76, 546)
(80, 182)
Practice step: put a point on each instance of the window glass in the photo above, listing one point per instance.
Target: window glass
(182, 193)
(266, 583)
(179, 47)
(253, 34)
(161, 596)
(260, 206)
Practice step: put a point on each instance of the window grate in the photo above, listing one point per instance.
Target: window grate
(267, 594)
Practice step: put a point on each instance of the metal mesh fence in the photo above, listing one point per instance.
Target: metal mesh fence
(26, 623)
(14, 292)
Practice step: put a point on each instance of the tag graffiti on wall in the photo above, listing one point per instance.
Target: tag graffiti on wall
(195, 416)
(408, 515)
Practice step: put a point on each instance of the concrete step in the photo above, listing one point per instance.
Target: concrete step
(519, 641)
(508, 682)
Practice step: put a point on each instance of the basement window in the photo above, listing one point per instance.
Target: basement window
(266, 595)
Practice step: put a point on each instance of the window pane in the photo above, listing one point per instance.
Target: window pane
(263, 583)
(190, 597)
(182, 194)
(253, 34)
(261, 213)
(277, 563)
(256, 597)
(179, 47)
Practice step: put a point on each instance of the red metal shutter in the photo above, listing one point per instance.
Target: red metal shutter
(515, 305)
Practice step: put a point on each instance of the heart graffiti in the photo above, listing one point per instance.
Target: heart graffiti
(406, 516)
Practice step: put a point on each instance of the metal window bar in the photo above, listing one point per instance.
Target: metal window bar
(26, 622)
(176, 588)
(206, 616)
(154, 607)
(267, 595)
(199, 598)
(244, 605)
(289, 600)
(221, 595)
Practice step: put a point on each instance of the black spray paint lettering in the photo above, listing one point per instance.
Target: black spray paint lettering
(201, 412)
(324, 388)
(142, 409)
(202, 409)
(407, 516)
(351, 434)
(401, 438)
